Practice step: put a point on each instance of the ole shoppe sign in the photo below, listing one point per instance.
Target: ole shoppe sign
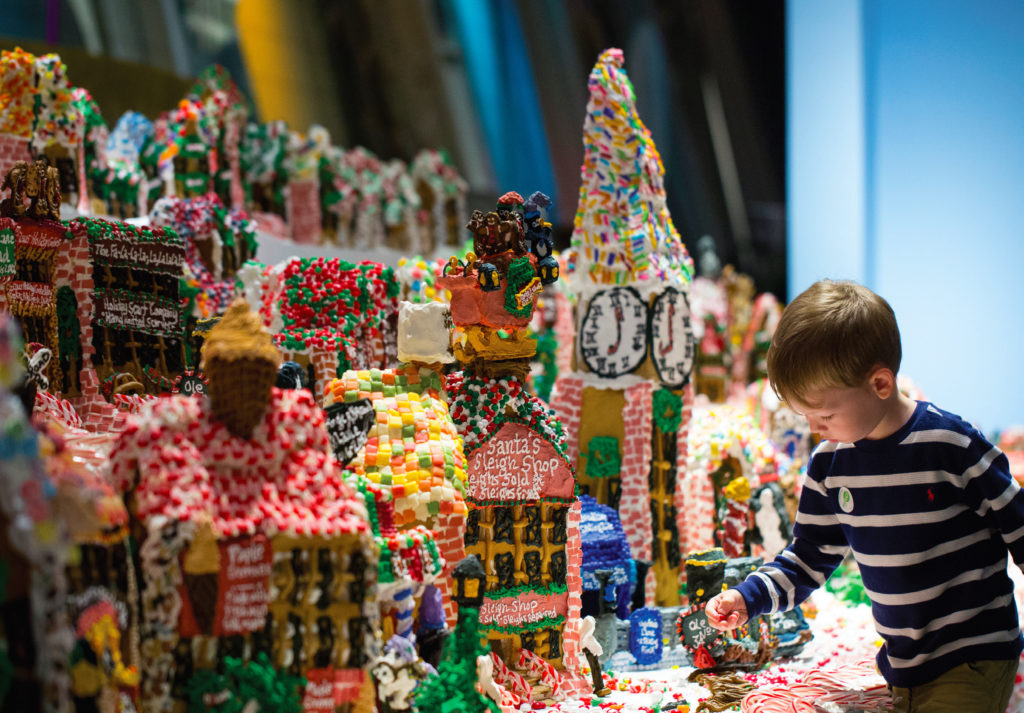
(518, 464)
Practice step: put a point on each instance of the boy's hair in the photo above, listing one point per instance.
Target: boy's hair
(832, 335)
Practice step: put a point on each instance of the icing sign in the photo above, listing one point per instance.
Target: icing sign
(517, 464)
(244, 585)
(513, 611)
(347, 427)
(7, 245)
(122, 309)
(671, 338)
(695, 630)
(30, 293)
(154, 256)
(613, 333)
(645, 640)
(328, 688)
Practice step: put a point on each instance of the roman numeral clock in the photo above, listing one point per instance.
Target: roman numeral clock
(613, 334)
(618, 328)
(671, 338)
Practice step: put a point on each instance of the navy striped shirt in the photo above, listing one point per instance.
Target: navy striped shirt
(929, 513)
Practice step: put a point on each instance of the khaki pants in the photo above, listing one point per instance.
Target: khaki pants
(975, 687)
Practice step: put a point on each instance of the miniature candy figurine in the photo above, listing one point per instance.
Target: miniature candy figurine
(592, 649)
(398, 671)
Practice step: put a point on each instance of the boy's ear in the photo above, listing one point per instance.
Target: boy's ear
(882, 382)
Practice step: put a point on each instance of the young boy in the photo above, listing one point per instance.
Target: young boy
(925, 503)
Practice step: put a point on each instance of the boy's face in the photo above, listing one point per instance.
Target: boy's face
(844, 414)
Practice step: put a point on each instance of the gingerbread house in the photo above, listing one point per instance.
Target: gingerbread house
(626, 403)
(524, 516)
(750, 363)
(328, 315)
(302, 194)
(442, 193)
(338, 190)
(17, 110)
(263, 151)
(215, 88)
(218, 241)
(731, 478)
(103, 296)
(254, 553)
(710, 319)
(125, 177)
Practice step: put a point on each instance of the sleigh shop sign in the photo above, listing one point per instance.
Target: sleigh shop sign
(518, 464)
(523, 609)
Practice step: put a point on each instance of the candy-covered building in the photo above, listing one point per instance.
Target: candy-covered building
(442, 194)
(39, 119)
(713, 360)
(750, 362)
(103, 296)
(626, 405)
(413, 455)
(524, 516)
(327, 315)
(729, 490)
(218, 242)
(253, 550)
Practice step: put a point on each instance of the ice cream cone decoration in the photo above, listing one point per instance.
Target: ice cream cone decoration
(241, 361)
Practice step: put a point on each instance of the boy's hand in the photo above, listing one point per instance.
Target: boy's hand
(726, 610)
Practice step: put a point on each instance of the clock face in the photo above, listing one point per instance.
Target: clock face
(672, 342)
(613, 334)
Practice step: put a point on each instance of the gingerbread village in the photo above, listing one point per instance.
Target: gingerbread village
(508, 480)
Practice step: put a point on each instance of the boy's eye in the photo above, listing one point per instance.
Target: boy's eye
(827, 418)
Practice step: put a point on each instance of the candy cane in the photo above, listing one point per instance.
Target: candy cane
(405, 604)
(512, 680)
(539, 666)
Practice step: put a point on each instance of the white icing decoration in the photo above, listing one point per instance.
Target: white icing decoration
(423, 331)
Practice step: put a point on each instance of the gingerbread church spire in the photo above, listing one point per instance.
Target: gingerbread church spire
(623, 231)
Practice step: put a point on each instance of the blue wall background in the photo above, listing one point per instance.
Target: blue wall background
(905, 162)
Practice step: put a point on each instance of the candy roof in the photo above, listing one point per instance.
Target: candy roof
(17, 92)
(74, 461)
(214, 80)
(328, 302)
(419, 279)
(96, 131)
(413, 450)
(57, 119)
(128, 137)
(102, 229)
(623, 230)
(182, 464)
(479, 406)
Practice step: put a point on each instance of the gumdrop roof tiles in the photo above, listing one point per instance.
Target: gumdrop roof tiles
(413, 448)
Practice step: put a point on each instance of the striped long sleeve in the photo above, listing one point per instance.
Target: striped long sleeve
(929, 513)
